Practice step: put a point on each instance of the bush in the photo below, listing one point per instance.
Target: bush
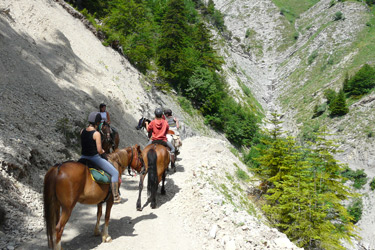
(330, 95)
(312, 57)
(359, 177)
(355, 210)
(362, 82)
(338, 16)
(372, 184)
(338, 106)
(319, 109)
(242, 175)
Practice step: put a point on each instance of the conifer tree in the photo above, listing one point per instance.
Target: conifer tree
(306, 190)
(173, 40)
(330, 218)
(362, 82)
(338, 107)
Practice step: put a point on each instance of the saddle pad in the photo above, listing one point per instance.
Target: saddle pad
(100, 176)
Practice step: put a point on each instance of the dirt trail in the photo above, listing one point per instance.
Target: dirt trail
(160, 228)
(202, 209)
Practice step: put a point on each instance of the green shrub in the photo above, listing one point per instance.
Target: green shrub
(185, 105)
(359, 177)
(312, 57)
(295, 35)
(355, 210)
(319, 109)
(372, 184)
(338, 106)
(362, 82)
(242, 175)
(248, 33)
(338, 16)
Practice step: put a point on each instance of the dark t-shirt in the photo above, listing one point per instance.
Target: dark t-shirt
(88, 144)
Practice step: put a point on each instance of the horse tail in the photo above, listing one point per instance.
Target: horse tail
(152, 171)
(51, 205)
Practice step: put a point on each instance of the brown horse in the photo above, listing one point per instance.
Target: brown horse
(107, 141)
(156, 161)
(70, 182)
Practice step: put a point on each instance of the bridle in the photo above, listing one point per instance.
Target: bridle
(139, 159)
(106, 136)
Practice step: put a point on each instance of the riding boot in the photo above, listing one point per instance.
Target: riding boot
(173, 158)
(115, 192)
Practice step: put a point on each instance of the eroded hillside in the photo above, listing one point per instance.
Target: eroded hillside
(289, 52)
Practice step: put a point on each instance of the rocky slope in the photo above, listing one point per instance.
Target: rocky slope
(53, 73)
(291, 75)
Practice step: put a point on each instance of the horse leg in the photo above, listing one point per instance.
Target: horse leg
(141, 179)
(65, 215)
(162, 183)
(105, 235)
(98, 216)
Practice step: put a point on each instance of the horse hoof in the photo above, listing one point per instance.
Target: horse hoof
(139, 209)
(106, 239)
(97, 233)
(162, 192)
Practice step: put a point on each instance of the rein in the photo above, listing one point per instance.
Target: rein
(138, 159)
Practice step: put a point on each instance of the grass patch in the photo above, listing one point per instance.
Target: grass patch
(291, 9)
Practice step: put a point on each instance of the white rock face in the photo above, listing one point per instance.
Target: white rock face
(53, 73)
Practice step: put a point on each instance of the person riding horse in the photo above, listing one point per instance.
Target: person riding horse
(173, 126)
(159, 128)
(92, 149)
(107, 119)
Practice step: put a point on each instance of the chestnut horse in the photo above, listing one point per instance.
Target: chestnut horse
(107, 141)
(156, 161)
(67, 183)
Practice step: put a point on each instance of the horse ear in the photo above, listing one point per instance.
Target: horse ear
(138, 147)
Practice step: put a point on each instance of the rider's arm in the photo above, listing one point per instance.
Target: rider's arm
(98, 141)
(177, 124)
(108, 118)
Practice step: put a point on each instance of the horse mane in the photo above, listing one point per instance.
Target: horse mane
(120, 156)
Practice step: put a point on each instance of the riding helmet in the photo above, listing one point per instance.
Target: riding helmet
(94, 118)
(168, 112)
(158, 112)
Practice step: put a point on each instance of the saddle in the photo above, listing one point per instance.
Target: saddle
(163, 143)
(97, 174)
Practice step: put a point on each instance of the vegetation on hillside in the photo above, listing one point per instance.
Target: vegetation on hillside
(171, 38)
(305, 190)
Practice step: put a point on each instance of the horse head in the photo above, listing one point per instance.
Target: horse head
(135, 158)
(105, 131)
(142, 123)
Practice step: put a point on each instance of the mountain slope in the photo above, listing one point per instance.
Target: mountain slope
(53, 73)
(300, 49)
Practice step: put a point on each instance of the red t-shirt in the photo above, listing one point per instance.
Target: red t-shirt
(159, 129)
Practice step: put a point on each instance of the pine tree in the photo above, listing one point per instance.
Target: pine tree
(331, 219)
(362, 82)
(306, 190)
(173, 40)
(338, 107)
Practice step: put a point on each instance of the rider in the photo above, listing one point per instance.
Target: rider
(107, 119)
(159, 128)
(92, 149)
(172, 121)
(103, 112)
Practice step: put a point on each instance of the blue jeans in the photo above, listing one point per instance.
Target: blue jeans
(104, 165)
(168, 143)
